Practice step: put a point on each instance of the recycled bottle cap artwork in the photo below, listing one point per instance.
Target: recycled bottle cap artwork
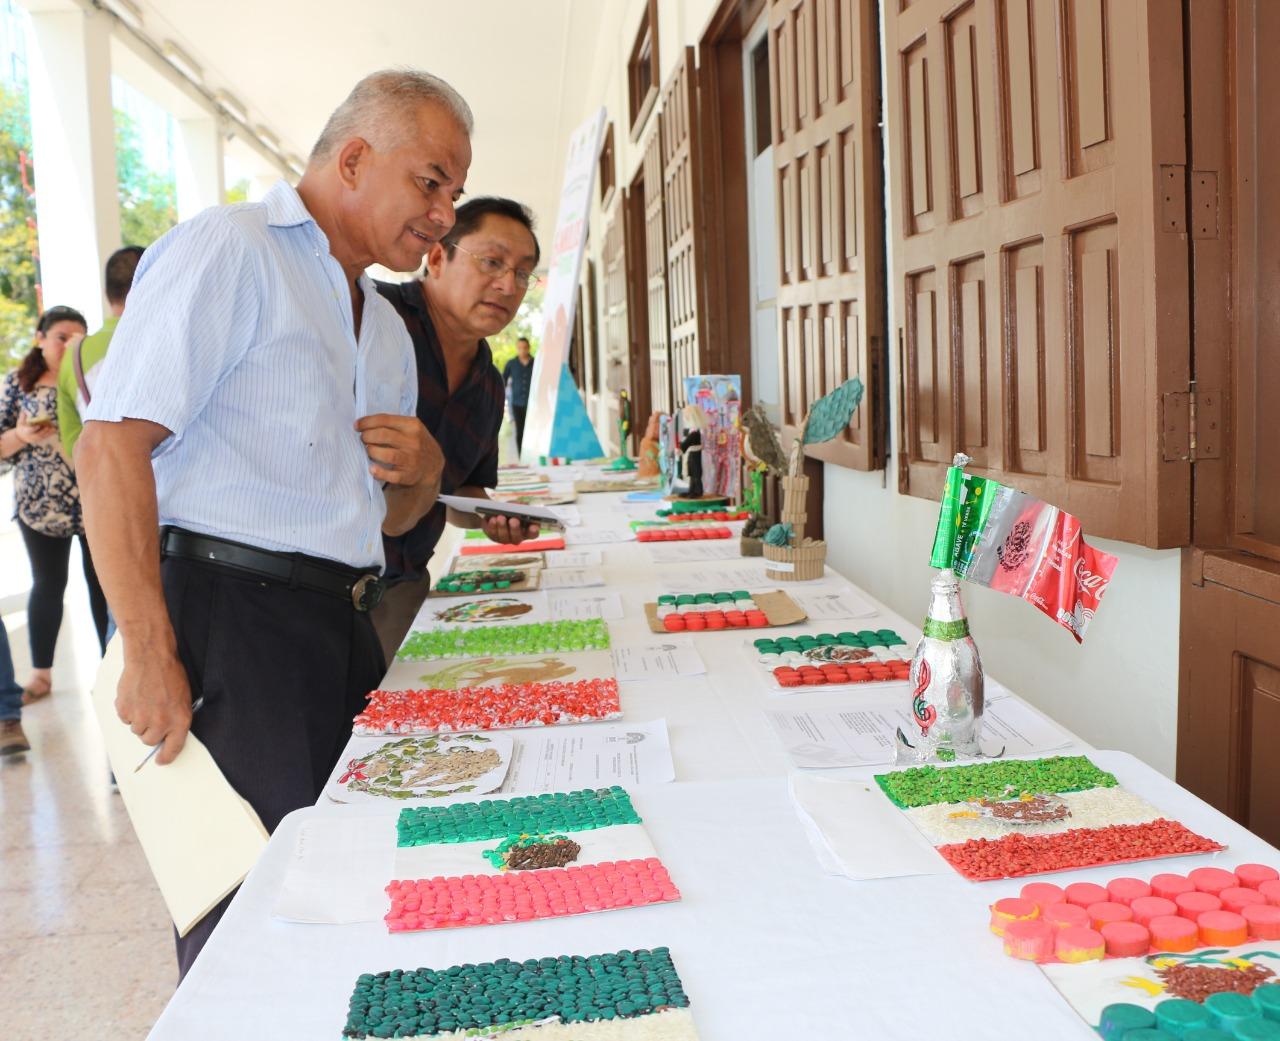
(1010, 818)
(486, 581)
(721, 610)
(570, 993)
(682, 533)
(833, 658)
(506, 640)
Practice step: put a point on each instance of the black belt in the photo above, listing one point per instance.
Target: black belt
(297, 570)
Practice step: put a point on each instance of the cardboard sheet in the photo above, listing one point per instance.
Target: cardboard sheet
(200, 838)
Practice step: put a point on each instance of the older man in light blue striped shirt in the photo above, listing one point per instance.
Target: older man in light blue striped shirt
(252, 435)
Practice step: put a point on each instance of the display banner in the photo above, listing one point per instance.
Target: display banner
(564, 266)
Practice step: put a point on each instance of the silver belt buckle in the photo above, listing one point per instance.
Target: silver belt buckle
(366, 594)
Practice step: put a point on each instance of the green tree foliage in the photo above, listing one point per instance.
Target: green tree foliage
(148, 201)
(19, 273)
(527, 323)
(238, 192)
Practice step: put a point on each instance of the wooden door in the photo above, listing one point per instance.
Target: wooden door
(615, 359)
(655, 249)
(825, 87)
(637, 293)
(1037, 160)
(681, 169)
(1229, 655)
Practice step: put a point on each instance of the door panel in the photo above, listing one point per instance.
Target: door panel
(1061, 320)
(1229, 689)
(656, 273)
(824, 82)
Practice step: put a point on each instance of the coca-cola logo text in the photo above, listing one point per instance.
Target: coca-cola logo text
(1089, 580)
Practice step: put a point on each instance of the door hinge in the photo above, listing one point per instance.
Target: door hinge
(1191, 425)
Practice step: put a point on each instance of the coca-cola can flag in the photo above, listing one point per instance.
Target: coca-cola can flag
(996, 536)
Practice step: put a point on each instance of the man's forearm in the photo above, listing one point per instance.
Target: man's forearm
(407, 504)
(467, 520)
(118, 491)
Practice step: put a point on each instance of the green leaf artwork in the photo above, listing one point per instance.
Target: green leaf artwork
(779, 535)
(831, 413)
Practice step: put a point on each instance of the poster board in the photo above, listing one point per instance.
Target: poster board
(564, 265)
(199, 836)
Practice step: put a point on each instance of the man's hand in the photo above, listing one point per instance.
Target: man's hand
(509, 530)
(401, 450)
(153, 700)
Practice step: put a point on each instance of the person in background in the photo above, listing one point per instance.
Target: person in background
(79, 368)
(12, 740)
(517, 374)
(476, 279)
(46, 499)
(252, 436)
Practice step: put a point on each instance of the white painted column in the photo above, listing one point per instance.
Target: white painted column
(73, 146)
(199, 171)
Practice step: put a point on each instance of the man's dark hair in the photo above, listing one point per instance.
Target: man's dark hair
(119, 275)
(524, 340)
(471, 214)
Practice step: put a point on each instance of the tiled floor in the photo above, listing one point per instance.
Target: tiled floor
(86, 946)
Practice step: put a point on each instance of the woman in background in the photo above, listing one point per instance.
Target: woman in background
(46, 499)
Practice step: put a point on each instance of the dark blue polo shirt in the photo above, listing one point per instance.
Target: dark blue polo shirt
(466, 425)
(520, 376)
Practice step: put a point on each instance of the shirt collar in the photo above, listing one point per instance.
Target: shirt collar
(285, 208)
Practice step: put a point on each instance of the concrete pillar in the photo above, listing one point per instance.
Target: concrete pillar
(199, 171)
(73, 146)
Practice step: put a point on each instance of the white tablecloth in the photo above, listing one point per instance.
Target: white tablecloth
(768, 946)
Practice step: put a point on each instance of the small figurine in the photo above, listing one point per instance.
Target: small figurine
(649, 465)
(691, 449)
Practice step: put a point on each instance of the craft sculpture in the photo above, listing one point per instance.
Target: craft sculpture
(785, 543)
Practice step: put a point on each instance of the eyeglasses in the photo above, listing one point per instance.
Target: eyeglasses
(496, 269)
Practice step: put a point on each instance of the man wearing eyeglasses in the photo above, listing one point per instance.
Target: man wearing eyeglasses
(475, 280)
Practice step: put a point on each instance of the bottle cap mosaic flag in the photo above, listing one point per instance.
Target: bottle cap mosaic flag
(625, 996)
(520, 859)
(1013, 817)
(1004, 539)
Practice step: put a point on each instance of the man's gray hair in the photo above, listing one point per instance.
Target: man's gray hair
(380, 107)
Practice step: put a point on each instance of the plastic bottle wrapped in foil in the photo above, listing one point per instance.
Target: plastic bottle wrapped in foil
(946, 683)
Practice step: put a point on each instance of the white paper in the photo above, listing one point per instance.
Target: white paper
(542, 514)
(833, 604)
(571, 578)
(598, 536)
(856, 832)
(685, 552)
(569, 515)
(662, 659)
(590, 755)
(573, 558)
(865, 736)
(744, 575)
(334, 874)
(580, 607)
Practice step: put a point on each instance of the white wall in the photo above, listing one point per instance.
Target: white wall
(1117, 690)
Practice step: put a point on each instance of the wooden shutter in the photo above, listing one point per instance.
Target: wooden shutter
(655, 249)
(678, 121)
(1040, 255)
(825, 83)
(617, 334)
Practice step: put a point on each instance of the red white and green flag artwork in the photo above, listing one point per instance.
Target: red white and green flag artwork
(1014, 817)
(515, 860)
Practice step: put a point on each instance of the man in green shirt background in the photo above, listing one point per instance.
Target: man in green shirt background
(76, 374)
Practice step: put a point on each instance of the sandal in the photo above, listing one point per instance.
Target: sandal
(34, 693)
